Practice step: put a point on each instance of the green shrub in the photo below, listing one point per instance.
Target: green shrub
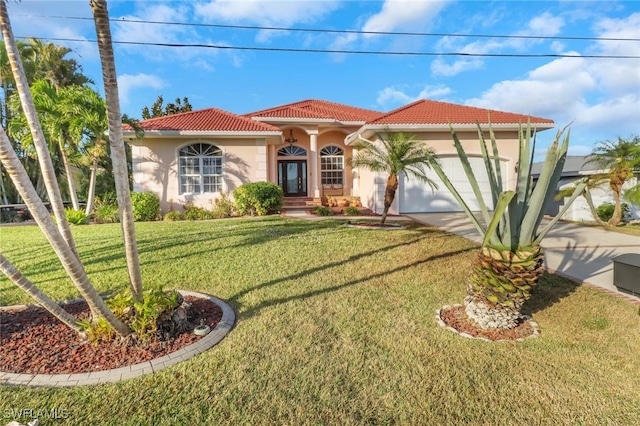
(192, 212)
(223, 207)
(323, 211)
(76, 217)
(146, 206)
(351, 211)
(106, 213)
(258, 198)
(173, 216)
(605, 211)
(140, 317)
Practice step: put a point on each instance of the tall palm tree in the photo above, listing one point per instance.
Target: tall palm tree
(116, 141)
(56, 111)
(90, 112)
(510, 261)
(394, 153)
(46, 165)
(49, 62)
(617, 160)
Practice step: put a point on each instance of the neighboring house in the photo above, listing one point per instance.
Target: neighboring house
(303, 147)
(575, 169)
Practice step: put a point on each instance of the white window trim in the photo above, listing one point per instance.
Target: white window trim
(323, 170)
(223, 186)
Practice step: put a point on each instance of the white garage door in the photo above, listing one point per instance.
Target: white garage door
(417, 197)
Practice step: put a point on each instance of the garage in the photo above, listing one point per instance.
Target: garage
(415, 196)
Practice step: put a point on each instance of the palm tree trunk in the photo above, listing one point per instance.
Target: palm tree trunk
(389, 195)
(46, 165)
(16, 277)
(3, 190)
(617, 210)
(499, 284)
(69, 259)
(72, 185)
(116, 141)
(92, 187)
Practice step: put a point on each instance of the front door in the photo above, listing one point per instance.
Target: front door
(292, 177)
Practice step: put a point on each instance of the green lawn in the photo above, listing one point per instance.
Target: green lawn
(336, 326)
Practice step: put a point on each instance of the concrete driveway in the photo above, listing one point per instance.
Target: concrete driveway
(582, 253)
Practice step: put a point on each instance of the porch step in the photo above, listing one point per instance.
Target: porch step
(299, 203)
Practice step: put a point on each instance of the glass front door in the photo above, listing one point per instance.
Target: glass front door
(292, 177)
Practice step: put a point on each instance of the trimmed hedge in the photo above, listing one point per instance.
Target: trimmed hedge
(258, 198)
(146, 206)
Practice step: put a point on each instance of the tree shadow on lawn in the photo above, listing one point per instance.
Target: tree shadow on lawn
(268, 303)
(553, 287)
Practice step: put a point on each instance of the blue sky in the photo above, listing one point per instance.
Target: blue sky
(601, 95)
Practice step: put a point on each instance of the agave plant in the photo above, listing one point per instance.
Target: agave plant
(510, 261)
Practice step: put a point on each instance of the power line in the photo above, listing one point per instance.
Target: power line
(327, 30)
(351, 52)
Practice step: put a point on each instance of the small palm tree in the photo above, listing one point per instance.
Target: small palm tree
(394, 153)
(618, 160)
(510, 261)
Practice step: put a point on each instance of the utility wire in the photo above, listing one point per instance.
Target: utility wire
(326, 30)
(352, 52)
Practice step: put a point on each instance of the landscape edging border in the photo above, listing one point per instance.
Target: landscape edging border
(129, 372)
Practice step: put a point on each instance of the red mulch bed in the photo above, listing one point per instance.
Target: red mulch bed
(456, 317)
(33, 341)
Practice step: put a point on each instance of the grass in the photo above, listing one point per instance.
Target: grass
(336, 326)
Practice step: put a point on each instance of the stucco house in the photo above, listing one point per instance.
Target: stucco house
(577, 167)
(302, 146)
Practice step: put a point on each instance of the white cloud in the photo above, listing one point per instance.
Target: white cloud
(268, 13)
(170, 34)
(441, 67)
(404, 14)
(394, 96)
(553, 90)
(128, 83)
(601, 95)
(543, 25)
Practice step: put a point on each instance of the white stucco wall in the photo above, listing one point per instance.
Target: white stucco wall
(155, 167)
(371, 186)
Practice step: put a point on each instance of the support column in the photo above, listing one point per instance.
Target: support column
(273, 164)
(315, 179)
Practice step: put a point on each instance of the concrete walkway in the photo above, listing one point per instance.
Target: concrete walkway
(581, 253)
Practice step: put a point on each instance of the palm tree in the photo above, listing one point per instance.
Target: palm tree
(46, 165)
(49, 62)
(510, 261)
(56, 111)
(394, 153)
(90, 111)
(116, 141)
(617, 160)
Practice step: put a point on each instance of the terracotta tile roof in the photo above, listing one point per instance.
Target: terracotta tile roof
(317, 109)
(436, 112)
(210, 119)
